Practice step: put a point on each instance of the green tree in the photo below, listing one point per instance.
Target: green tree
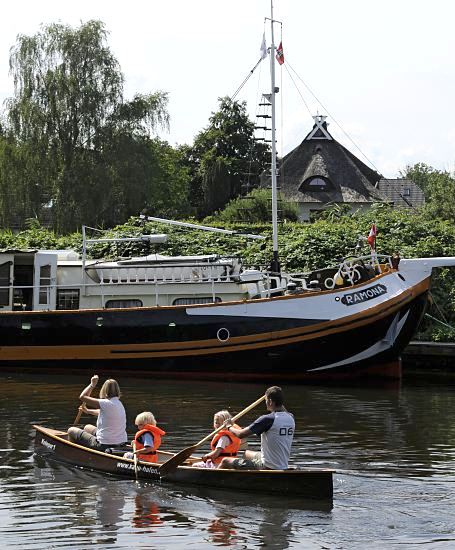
(256, 208)
(168, 187)
(68, 108)
(438, 187)
(225, 161)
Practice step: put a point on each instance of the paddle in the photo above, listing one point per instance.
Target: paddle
(78, 416)
(135, 458)
(87, 392)
(171, 464)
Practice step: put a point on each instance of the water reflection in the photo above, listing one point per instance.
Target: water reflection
(275, 529)
(108, 507)
(146, 512)
(222, 530)
(382, 442)
(270, 517)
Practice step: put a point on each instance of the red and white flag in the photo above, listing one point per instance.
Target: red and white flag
(280, 54)
(372, 237)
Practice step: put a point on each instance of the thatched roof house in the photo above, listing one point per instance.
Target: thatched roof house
(320, 171)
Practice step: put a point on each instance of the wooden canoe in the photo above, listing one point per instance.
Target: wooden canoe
(308, 483)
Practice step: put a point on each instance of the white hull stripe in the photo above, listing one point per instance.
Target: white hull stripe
(383, 345)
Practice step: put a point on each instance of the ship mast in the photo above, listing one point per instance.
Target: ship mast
(275, 264)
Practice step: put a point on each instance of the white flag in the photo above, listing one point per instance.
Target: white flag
(263, 48)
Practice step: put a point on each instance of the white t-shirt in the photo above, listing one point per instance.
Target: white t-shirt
(111, 423)
(277, 431)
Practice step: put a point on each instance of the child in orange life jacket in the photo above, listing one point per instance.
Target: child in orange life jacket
(224, 443)
(147, 439)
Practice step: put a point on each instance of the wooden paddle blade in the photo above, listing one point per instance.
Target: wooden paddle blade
(172, 464)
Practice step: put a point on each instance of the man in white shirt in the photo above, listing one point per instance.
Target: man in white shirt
(276, 430)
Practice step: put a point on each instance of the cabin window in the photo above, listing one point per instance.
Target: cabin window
(44, 284)
(4, 283)
(68, 298)
(195, 300)
(122, 304)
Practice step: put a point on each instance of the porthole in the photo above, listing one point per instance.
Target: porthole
(223, 334)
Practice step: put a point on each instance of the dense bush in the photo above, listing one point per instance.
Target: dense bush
(256, 207)
(303, 247)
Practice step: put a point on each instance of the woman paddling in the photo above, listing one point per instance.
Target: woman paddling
(110, 429)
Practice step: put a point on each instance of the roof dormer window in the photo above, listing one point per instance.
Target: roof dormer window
(315, 183)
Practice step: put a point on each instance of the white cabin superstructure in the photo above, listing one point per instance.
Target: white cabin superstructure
(28, 279)
(33, 280)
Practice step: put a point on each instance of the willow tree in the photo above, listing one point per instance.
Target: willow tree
(68, 108)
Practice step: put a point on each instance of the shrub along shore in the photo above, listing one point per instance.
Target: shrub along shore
(302, 247)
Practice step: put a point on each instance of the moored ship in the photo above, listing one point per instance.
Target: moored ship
(206, 316)
(209, 317)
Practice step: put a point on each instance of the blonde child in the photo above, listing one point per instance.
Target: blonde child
(223, 444)
(147, 439)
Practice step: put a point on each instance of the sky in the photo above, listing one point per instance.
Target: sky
(383, 71)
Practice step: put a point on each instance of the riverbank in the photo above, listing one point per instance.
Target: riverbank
(420, 358)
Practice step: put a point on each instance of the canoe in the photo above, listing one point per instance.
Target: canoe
(307, 483)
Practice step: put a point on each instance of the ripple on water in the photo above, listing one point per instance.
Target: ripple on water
(393, 452)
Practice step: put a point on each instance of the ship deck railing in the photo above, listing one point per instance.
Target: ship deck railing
(167, 274)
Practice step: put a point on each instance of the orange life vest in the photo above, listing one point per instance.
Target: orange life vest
(157, 433)
(229, 450)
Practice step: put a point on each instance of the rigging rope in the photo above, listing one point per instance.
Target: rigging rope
(439, 321)
(245, 80)
(441, 313)
(332, 117)
(298, 91)
(280, 167)
(250, 159)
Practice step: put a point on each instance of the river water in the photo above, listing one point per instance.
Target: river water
(393, 449)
